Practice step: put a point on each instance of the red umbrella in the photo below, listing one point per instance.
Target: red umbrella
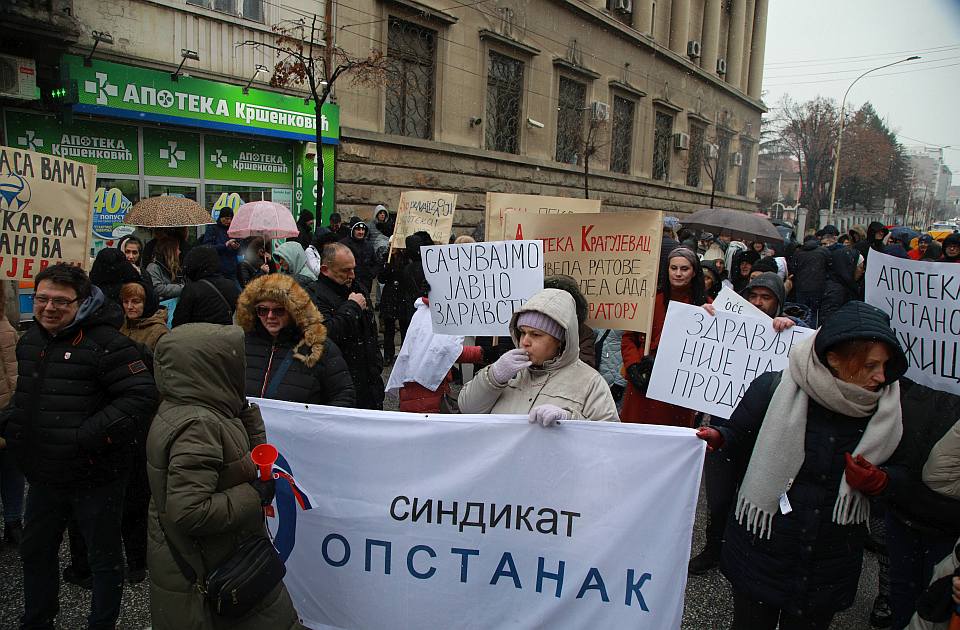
(263, 218)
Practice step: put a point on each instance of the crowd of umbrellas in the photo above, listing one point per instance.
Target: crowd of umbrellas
(258, 218)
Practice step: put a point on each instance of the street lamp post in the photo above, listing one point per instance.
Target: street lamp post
(843, 104)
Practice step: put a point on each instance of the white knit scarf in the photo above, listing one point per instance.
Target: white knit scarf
(779, 450)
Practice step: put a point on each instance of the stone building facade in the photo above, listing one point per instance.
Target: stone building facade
(662, 96)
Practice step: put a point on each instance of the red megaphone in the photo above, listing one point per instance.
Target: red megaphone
(264, 456)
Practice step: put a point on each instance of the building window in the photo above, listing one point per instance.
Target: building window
(662, 134)
(504, 100)
(572, 101)
(698, 136)
(746, 153)
(411, 50)
(622, 134)
(723, 161)
(247, 9)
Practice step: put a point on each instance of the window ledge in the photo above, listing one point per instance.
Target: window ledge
(509, 42)
(426, 12)
(626, 87)
(699, 118)
(581, 71)
(666, 104)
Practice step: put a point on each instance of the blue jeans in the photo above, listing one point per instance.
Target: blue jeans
(11, 488)
(97, 514)
(913, 554)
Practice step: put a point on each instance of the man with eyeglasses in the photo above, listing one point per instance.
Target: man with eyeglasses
(83, 395)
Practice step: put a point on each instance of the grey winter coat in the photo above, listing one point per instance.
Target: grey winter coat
(565, 381)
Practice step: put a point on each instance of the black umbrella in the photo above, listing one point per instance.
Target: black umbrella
(736, 223)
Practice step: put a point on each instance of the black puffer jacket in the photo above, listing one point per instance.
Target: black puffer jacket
(809, 564)
(200, 302)
(842, 285)
(355, 332)
(390, 279)
(316, 373)
(368, 266)
(810, 265)
(82, 398)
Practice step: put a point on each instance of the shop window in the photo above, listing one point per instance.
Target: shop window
(746, 153)
(621, 140)
(411, 50)
(662, 135)
(219, 196)
(571, 103)
(698, 136)
(248, 9)
(504, 100)
(723, 161)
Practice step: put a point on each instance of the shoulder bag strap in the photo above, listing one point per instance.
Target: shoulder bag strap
(279, 374)
(217, 291)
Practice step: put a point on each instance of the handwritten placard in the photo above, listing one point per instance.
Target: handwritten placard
(614, 258)
(729, 301)
(706, 363)
(475, 288)
(923, 302)
(499, 204)
(427, 211)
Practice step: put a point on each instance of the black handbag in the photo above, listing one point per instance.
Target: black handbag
(242, 581)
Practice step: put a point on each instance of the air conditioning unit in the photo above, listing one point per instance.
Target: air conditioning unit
(693, 49)
(681, 141)
(599, 112)
(721, 66)
(711, 150)
(623, 6)
(737, 159)
(18, 78)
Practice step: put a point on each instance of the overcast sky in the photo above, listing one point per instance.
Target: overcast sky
(820, 46)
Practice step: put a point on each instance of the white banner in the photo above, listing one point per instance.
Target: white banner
(729, 301)
(706, 363)
(476, 287)
(394, 520)
(923, 302)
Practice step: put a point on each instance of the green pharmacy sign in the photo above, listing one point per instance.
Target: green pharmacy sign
(240, 160)
(112, 148)
(171, 153)
(114, 89)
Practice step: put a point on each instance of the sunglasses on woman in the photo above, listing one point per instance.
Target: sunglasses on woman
(264, 311)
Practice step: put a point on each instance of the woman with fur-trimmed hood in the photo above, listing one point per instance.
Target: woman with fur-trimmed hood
(288, 354)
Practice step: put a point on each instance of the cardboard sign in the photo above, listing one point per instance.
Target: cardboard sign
(427, 211)
(729, 301)
(923, 302)
(706, 363)
(406, 521)
(475, 288)
(46, 202)
(614, 257)
(498, 204)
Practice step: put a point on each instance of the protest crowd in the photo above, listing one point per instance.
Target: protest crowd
(127, 423)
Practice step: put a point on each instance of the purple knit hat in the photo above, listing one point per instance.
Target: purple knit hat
(536, 319)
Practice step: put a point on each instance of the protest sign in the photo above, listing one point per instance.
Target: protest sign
(614, 257)
(498, 204)
(729, 301)
(427, 211)
(706, 363)
(475, 288)
(46, 205)
(393, 520)
(923, 302)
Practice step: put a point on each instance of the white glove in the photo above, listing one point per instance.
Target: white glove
(548, 415)
(508, 365)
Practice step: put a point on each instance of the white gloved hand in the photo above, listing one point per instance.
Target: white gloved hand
(548, 415)
(508, 365)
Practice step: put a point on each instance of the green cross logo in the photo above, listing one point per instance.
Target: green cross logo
(101, 87)
(30, 140)
(219, 158)
(172, 154)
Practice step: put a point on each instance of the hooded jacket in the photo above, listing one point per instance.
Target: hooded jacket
(771, 281)
(809, 267)
(588, 339)
(364, 255)
(870, 242)
(198, 467)
(296, 259)
(200, 302)
(564, 381)
(150, 326)
(317, 373)
(82, 396)
(953, 239)
(110, 271)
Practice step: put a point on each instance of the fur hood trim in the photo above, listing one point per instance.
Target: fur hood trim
(283, 289)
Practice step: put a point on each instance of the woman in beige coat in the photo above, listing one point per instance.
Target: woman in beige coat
(543, 376)
(11, 479)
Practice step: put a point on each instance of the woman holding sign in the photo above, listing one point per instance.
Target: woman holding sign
(812, 436)
(685, 284)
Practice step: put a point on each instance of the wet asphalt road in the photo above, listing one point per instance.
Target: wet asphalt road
(708, 600)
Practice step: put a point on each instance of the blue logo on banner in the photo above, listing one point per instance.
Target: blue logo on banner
(288, 498)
